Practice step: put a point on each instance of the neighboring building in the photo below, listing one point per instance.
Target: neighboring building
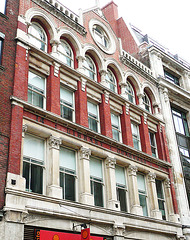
(8, 27)
(88, 139)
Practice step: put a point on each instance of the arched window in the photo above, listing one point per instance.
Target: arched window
(111, 80)
(100, 36)
(37, 36)
(90, 68)
(147, 102)
(130, 92)
(66, 53)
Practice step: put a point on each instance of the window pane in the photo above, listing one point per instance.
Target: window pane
(96, 168)
(122, 198)
(66, 113)
(178, 124)
(159, 189)
(66, 95)
(2, 6)
(1, 50)
(36, 178)
(162, 209)
(142, 200)
(98, 194)
(36, 80)
(26, 174)
(37, 99)
(136, 144)
(69, 187)
(115, 134)
(33, 147)
(67, 158)
(120, 175)
(114, 120)
(92, 124)
(141, 183)
(92, 108)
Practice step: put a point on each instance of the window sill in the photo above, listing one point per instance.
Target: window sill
(2, 68)
(3, 15)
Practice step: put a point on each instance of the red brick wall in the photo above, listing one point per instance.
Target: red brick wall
(7, 27)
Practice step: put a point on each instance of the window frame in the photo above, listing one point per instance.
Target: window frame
(147, 103)
(164, 217)
(114, 127)
(153, 145)
(109, 82)
(36, 91)
(39, 40)
(137, 138)
(35, 162)
(66, 104)
(88, 69)
(3, 8)
(69, 172)
(96, 180)
(129, 95)
(145, 194)
(2, 37)
(171, 77)
(91, 117)
(101, 34)
(63, 42)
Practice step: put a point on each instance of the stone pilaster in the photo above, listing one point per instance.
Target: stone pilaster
(103, 78)
(81, 64)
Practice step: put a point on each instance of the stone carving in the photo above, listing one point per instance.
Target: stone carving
(54, 142)
(110, 162)
(85, 153)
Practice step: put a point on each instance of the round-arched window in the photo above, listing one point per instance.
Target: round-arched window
(111, 80)
(130, 92)
(37, 36)
(66, 53)
(90, 68)
(100, 36)
(147, 102)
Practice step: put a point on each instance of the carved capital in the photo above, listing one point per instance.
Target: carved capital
(85, 153)
(24, 130)
(110, 162)
(119, 230)
(151, 176)
(103, 73)
(167, 183)
(106, 96)
(166, 97)
(133, 170)
(54, 142)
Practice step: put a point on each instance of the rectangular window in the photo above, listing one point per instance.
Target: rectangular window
(153, 144)
(142, 193)
(33, 163)
(93, 117)
(67, 169)
(3, 6)
(136, 136)
(160, 195)
(96, 181)
(1, 50)
(116, 129)
(36, 90)
(121, 187)
(67, 104)
(171, 77)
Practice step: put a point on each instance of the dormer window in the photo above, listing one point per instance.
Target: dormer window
(37, 36)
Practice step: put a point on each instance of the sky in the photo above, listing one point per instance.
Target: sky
(166, 21)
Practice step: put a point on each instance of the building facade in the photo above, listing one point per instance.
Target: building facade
(88, 141)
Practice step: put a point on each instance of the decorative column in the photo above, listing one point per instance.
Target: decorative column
(126, 126)
(111, 184)
(123, 89)
(169, 203)
(53, 89)
(144, 135)
(119, 231)
(155, 212)
(105, 115)
(85, 192)
(156, 63)
(80, 63)
(54, 43)
(133, 191)
(81, 112)
(186, 80)
(103, 78)
(54, 189)
(140, 98)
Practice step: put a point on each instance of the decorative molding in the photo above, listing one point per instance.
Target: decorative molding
(56, 69)
(54, 142)
(127, 108)
(133, 170)
(85, 153)
(145, 115)
(167, 182)
(166, 97)
(106, 93)
(151, 176)
(119, 230)
(83, 84)
(110, 162)
(24, 130)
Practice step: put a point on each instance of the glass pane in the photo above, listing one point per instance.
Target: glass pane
(142, 200)
(26, 174)
(66, 95)
(120, 175)
(136, 143)
(92, 108)
(98, 194)
(92, 124)
(162, 209)
(2, 6)
(141, 183)
(36, 81)
(62, 183)
(115, 134)
(114, 120)
(36, 178)
(29, 96)
(96, 168)
(66, 113)
(37, 100)
(178, 122)
(69, 187)
(122, 198)
(135, 130)
(159, 189)
(67, 158)
(33, 147)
